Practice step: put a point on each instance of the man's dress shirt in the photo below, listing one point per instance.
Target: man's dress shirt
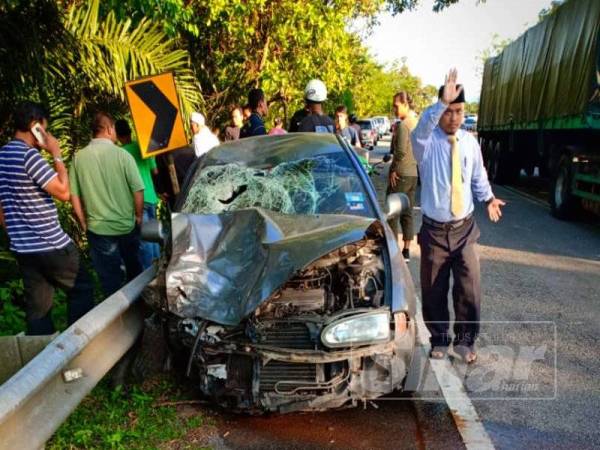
(432, 151)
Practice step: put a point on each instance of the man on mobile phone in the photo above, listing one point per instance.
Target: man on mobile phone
(107, 194)
(47, 257)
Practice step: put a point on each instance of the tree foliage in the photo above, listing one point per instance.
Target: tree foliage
(85, 63)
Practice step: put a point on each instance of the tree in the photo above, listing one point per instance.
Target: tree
(373, 95)
(84, 66)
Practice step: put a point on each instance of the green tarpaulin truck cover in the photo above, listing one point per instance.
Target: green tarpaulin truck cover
(550, 72)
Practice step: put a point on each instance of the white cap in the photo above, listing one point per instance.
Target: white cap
(198, 118)
(315, 91)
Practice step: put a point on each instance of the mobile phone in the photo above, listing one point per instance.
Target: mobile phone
(37, 130)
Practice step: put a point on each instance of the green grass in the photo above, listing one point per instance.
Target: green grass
(116, 419)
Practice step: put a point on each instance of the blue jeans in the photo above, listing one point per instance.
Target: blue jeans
(149, 251)
(108, 252)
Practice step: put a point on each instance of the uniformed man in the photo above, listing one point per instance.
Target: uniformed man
(403, 175)
(452, 176)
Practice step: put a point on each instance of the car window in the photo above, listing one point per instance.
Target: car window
(364, 125)
(322, 184)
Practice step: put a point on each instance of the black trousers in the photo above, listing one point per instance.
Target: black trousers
(408, 186)
(446, 251)
(42, 273)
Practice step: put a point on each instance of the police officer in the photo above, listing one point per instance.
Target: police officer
(452, 177)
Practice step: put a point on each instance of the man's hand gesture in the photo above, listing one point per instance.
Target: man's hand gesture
(451, 91)
(493, 208)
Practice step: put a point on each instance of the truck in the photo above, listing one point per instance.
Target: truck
(540, 107)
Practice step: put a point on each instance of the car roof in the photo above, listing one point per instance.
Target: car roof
(273, 149)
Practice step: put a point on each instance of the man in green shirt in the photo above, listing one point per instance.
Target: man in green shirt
(107, 194)
(149, 251)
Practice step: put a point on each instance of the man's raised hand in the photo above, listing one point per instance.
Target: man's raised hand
(451, 91)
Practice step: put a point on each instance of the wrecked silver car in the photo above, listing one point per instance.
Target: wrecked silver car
(282, 283)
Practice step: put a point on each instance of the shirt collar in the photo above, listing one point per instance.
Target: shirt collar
(101, 141)
(442, 134)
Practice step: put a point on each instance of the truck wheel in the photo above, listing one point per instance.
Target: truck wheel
(507, 169)
(563, 203)
(494, 161)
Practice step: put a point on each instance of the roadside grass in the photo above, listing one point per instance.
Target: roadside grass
(143, 417)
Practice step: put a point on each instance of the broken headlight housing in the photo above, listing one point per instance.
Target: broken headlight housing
(360, 329)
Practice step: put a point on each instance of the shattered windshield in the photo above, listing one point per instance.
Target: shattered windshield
(321, 184)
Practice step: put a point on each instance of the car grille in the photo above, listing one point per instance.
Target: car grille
(290, 376)
(287, 335)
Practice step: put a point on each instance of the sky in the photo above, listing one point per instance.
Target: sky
(434, 42)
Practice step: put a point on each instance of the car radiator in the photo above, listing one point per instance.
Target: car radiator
(294, 335)
(283, 377)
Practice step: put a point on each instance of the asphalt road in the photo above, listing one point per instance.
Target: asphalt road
(536, 382)
(536, 269)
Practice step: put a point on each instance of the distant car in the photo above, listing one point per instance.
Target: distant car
(470, 123)
(282, 287)
(369, 134)
(383, 124)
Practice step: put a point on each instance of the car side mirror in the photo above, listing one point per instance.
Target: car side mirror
(394, 204)
(387, 157)
(153, 231)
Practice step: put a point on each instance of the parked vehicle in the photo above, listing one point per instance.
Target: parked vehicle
(369, 135)
(540, 106)
(383, 124)
(283, 286)
(470, 124)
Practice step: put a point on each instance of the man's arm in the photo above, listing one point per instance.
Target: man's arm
(431, 116)
(424, 129)
(55, 182)
(78, 210)
(480, 185)
(2, 223)
(58, 187)
(138, 203)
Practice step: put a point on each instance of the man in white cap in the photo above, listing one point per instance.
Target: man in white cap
(204, 139)
(316, 121)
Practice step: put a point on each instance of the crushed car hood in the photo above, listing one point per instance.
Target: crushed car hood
(224, 266)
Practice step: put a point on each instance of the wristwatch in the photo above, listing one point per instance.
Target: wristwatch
(58, 159)
(489, 200)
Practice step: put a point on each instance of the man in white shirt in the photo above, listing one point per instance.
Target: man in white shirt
(452, 179)
(203, 139)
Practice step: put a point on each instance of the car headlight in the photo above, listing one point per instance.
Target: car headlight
(360, 329)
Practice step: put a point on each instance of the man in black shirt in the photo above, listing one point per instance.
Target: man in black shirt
(232, 132)
(255, 126)
(317, 122)
(297, 118)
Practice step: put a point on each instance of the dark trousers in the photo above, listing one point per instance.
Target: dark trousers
(446, 251)
(42, 273)
(408, 186)
(109, 252)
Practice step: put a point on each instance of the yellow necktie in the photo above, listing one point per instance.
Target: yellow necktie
(456, 203)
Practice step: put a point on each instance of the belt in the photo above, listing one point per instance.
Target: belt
(448, 225)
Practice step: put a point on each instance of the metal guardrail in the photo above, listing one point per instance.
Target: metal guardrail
(40, 397)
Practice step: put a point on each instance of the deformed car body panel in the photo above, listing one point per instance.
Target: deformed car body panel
(224, 266)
